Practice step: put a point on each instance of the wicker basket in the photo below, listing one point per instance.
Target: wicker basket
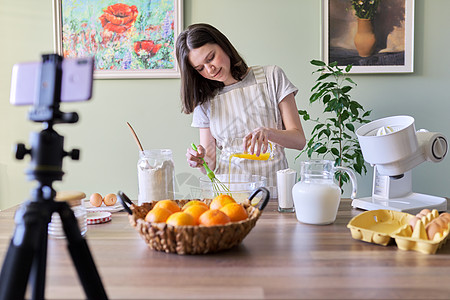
(192, 239)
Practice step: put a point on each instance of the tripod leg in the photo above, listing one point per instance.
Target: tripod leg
(13, 279)
(30, 221)
(81, 256)
(38, 269)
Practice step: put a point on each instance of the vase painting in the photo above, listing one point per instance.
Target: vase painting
(365, 38)
(373, 36)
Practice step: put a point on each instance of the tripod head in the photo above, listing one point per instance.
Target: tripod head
(46, 150)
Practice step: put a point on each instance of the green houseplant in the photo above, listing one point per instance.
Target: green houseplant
(335, 135)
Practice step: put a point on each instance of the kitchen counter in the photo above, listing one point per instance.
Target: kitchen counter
(279, 259)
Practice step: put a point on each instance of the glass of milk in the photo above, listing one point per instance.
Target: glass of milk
(316, 196)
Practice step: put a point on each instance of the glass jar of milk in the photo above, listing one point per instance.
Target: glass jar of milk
(156, 175)
(316, 196)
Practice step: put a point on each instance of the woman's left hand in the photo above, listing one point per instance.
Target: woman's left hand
(257, 141)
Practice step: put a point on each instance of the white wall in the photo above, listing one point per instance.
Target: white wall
(286, 33)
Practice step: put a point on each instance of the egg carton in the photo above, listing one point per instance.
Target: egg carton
(382, 226)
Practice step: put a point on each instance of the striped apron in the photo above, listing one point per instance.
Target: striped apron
(236, 113)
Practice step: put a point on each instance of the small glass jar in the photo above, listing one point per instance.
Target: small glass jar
(55, 228)
(156, 175)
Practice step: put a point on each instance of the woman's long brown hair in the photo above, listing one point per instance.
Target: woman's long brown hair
(195, 89)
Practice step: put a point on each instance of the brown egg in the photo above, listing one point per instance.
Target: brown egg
(110, 199)
(432, 229)
(413, 221)
(441, 223)
(425, 211)
(445, 216)
(420, 215)
(96, 199)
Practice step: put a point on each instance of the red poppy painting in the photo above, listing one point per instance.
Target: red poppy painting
(128, 39)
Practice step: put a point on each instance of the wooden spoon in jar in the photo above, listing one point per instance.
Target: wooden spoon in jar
(135, 137)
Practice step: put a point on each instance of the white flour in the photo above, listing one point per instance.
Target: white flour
(155, 182)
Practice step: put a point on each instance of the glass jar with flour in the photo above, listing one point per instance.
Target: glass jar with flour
(156, 173)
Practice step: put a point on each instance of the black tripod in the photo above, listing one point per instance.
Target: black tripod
(27, 253)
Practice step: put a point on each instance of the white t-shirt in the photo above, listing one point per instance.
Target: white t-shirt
(278, 84)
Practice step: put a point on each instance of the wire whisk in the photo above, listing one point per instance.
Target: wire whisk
(217, 185)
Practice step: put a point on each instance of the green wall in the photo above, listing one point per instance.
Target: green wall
(286, 33)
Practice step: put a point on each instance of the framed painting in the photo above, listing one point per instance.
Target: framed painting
(128, 39)
(374, 36)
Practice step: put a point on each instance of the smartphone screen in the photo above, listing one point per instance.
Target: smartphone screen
(76, 82)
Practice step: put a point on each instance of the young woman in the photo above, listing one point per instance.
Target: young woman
(231, 100)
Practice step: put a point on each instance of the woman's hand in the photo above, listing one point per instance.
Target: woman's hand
(195, 158)
(292, 136)
(257, 141)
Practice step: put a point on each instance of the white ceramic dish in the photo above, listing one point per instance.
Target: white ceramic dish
(103, 208)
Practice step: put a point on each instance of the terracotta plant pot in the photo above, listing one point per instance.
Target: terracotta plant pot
(365, 38)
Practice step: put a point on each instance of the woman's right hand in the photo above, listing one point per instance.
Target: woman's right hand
(195, 158)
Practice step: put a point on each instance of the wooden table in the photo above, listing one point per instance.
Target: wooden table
(279, 259)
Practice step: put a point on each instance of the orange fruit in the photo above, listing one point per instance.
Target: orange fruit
(213, 217)
(220, 201)
(196, 211)
(180, 218)
(235, 212)
(169, 204)
(158, 215)
(194, 202)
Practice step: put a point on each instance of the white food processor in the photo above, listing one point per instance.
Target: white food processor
(393, 147)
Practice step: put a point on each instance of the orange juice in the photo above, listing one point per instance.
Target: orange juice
(262, 156)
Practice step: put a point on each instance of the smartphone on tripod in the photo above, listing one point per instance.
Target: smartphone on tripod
(76, 82)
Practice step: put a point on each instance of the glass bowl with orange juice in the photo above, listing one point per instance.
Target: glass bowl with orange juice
(240, 186)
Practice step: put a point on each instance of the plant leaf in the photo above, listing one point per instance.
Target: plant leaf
(324, 76)
(335, 151)
(317, 127)
(346, 89)
(318, 63)
(350, 127)
(354, 108)
(321, 150)
(350, 80)
(314, 87)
